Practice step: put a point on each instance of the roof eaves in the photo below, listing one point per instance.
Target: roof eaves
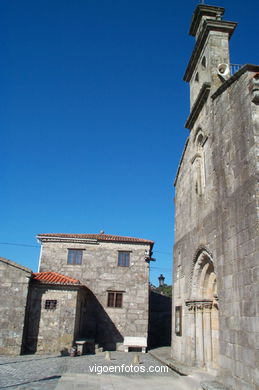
(198, 104)
(59, 237)
(203, 9)
(90, 238)
(54, 278)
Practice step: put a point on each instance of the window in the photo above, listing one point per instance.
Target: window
(198, 162)
(124, 259)
(74, 256)
(114, 299)
(51, 304)
(204, 62)
(178, 320)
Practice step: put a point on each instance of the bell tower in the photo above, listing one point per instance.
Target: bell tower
(209, 63)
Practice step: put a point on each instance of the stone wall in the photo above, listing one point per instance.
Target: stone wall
(13, 291)
(51, 330)
(160, 318)
(100, 272)
(222, 220)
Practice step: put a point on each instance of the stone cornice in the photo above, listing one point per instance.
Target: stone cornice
(51, 286)
(69, 239)
(208, 25)
(197, 107)
(202, 10)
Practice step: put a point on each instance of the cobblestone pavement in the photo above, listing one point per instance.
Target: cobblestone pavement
(37, 372)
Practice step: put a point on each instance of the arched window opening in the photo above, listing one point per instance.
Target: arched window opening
(204, 62)
(199, 163)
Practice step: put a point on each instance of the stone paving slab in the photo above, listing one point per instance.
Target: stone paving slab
(163, 355)
(37, 372)
(118, 382)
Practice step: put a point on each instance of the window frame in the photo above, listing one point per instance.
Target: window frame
(74, 260)
(124, 262)
(50, 304)
(115, 299)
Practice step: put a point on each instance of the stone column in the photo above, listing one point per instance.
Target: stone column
(200, 335)
(207, 333)
(191, 333)
(200, 328)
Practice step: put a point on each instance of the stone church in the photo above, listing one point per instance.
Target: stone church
(216, 266)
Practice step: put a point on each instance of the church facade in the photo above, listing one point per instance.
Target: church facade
(216, 267)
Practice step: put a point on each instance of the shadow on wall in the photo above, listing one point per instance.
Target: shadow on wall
(95, 323)
(31, 322)
(88, 316)
(160, 320)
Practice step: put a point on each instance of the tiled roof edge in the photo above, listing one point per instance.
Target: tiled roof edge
(93, 238)
(54, 278)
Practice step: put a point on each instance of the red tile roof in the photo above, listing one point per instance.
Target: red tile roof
(99, 237)
(54, 278)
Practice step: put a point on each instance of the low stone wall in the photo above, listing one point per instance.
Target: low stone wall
(13, 291)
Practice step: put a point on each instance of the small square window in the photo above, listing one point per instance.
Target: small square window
(51, 304)
(124, 259)
(114, 299)
(74, 256)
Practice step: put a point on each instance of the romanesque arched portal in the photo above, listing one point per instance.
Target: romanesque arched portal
(203, 311)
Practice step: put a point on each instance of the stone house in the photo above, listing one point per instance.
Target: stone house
(13, 291)
(216, 262)
(52, 321)
(108, 295)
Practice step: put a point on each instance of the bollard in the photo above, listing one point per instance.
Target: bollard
(73, 351)
(107, 355)
(136, 359)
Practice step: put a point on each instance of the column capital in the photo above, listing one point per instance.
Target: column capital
(196, 305)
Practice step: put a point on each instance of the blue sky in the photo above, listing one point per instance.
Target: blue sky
(93, 108)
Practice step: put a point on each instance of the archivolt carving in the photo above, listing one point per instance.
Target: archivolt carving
(201, 273)
(201, 249)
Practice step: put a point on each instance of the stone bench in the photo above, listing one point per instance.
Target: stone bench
(85, 346)
(135, 342)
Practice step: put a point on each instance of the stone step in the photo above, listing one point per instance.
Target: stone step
(213, 385)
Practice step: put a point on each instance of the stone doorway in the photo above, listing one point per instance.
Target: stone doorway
(203, 312)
